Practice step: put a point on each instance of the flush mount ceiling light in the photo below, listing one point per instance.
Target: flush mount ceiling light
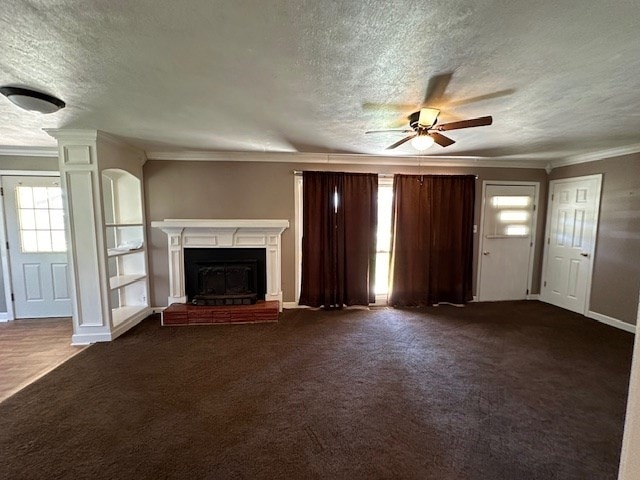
(32, 100)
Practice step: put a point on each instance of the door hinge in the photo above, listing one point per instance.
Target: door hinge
(531, 244)
(13, 299)
(534, 207)
(7, 245)
(527, 291)
(552, 197)
(545, 283)
(1, 191)
(549, 241)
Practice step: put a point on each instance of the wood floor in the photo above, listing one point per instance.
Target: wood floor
(30, 348)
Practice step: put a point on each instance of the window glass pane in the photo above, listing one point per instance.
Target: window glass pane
(382, 273)
(27, 219)
(29, 241)
(40, 197)
(57, 219)
(44, 240)
(383, 245)
(510, 201)
(42, 219)
(25, 200)
(58, 243)
(55, 197)
(40, 211)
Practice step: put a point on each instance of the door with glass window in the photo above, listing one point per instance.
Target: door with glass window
(507, 242)
(37, 247)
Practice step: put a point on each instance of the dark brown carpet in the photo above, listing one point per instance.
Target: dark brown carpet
(511, 390)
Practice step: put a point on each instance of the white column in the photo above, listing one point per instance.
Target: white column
(630, 456)
(177, 292)
(80, 178)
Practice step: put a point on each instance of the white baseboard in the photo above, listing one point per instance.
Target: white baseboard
(533, 296)
(613, 322)
(89, 338)
(289, 305)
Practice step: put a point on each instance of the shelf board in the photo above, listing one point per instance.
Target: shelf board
(112, 252)
(120, 281)
(124, 225)
(122, 314)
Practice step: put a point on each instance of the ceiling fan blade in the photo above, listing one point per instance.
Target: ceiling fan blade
(441, 139)
(479, 98)
(436, 88)
(397, 144)
(395, 130)
(472, 122)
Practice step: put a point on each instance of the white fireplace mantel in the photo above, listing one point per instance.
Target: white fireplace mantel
(223, 233)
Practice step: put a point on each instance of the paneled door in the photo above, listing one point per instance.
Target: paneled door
(506, 245)
(570, 241)
(37, 246)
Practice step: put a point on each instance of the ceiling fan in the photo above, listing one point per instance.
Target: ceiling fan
(425, 130)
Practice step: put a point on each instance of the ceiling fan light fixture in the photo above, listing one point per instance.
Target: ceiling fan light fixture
(32, 100)
(422, 141)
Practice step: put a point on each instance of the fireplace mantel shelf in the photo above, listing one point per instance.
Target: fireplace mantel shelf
(231, 224)
(221, 233)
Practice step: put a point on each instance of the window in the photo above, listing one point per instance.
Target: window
(509, 216)
(383, 244)
(41, 219)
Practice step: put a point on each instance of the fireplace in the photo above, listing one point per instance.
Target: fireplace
(184, 235)
(225, 276)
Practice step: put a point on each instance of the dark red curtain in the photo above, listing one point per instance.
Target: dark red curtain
(338, 239)
(432, 239)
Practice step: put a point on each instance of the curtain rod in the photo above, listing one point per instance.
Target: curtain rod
(383, 175)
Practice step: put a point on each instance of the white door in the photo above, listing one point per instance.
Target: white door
(37, 247)
(506, 242)
(570, 241)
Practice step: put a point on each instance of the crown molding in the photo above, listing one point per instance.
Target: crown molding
(595, 156)
(90, 135)
(29, 151)
(343, 158)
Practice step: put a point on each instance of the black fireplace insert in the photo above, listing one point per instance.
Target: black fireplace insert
(225, 276)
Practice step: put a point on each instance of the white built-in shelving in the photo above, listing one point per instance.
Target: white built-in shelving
(125, 242)
(103, 202)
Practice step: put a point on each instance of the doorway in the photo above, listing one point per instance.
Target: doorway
(38, 273)
(507, 240)
(570, 242)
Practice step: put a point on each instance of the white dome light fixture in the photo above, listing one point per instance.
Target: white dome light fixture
(32, 100)
(422, 141)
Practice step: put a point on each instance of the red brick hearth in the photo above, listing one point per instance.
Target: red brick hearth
(187, 314)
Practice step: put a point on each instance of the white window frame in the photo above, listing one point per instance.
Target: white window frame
(381, 300)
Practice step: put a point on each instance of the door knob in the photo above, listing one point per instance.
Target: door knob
(584, 254)
(485, 253)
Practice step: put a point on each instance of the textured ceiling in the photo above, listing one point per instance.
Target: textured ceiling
(559, 78)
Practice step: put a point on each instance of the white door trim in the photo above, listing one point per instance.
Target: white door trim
(534, 229)
(9, 315)
(596, 217)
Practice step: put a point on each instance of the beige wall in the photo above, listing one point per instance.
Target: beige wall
(616, 269)
(180, 189)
